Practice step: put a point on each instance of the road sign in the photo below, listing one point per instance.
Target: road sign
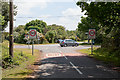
(32, 34)
(91, 33)
(26, 36)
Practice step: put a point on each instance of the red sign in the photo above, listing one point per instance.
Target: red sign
(92, 33)
(32, 33)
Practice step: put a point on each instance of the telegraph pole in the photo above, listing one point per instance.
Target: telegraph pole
(11, 28)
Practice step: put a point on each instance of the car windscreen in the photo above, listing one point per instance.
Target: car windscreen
(69, 41)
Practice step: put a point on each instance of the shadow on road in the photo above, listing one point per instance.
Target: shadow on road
(59, 67)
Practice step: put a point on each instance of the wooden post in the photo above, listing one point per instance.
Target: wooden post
(11, 28)
(91, 46)
(32, 47)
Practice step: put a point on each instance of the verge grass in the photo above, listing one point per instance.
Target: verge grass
(18, 68)
(103, 55)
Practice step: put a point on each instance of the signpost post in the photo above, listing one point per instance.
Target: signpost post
(91, 36)
(38, 39)
(32, 36)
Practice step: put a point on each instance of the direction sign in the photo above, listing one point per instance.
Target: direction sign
(91, 33)
(32, 34)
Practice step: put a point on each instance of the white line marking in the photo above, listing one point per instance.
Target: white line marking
(47, 55)
(76, 68)
(60, 51)
(65, 57)
(72, 64)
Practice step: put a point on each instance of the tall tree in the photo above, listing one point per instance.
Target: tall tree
(5, 12)
(59, 31)
(107, 14)
(38, 24)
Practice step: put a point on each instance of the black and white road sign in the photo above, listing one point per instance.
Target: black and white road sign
(91, 33)
(32, 34)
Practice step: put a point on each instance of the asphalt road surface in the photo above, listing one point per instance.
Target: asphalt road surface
(65, 62)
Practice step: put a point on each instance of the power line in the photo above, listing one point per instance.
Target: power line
(50, 16)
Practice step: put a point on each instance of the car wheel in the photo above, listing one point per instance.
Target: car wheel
(76, 45)
(65, 45)
(61, 46)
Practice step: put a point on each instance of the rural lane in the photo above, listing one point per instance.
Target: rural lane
(65, 62)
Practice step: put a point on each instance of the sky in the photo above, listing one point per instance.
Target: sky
(60, 12)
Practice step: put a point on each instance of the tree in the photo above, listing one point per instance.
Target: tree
(50, 36)
(38, 24)
(71, 34)
(86, 24)
(107, 14)
(60, 32)
(19, 28)
(5, 12)
(19, 34)
(2, 21)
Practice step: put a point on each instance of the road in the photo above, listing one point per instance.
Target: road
(65, 62)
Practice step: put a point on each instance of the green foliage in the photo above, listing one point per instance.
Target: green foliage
(55, 32)
(38, 24)
(50, 36)
(19, 34)
(71, 34)
(50, 33)
(86, 24)
(106, 15)
(103, 54)
(7, 61)
(2, 21)
(35, 27)
(5, 12)
(19, 29)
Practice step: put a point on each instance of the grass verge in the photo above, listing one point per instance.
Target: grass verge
(103, 55)
(19, 68)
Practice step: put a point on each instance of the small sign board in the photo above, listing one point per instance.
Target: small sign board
(38, 37)
(32, 34)
(91, 33)
(26, 36)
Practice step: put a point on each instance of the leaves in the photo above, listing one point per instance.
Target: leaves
(107, 17)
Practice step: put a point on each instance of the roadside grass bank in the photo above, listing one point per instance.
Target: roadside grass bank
(104, 55)
(18, 66)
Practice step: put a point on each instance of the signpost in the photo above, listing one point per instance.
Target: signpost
(91, 36)
(32, 36)
(26, 36)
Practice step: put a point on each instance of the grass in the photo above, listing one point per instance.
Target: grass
(22, 59)
(103, 55)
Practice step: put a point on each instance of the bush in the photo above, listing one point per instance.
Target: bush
(8, 61)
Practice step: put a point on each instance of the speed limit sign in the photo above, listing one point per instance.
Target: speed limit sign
(91, 33)
(32, 34)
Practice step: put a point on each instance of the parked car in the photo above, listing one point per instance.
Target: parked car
(60, 40)
(68, 42)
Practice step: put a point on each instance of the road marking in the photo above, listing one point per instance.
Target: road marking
(65, 57)
(60, 51)
(76, 68)
(46, 55)
(72, 64)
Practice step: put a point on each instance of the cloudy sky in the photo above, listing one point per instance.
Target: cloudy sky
(60, 12)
